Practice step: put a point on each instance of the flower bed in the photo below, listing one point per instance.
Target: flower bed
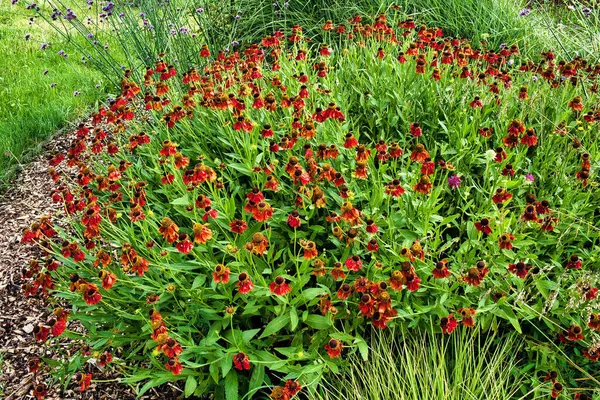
(243, 225)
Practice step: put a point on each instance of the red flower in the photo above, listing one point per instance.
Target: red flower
(428, 167)
(371, 226)
(238, 226)
(592, 354)
(575, 333)
(244, 284)
(57, 326)
(475, 275)
(255, 195)
(379, 320)
(338, 272)
(576, 104)
(350, 142)
(516, 127)
(367, 305)
(293, 220)
(505, 241)
(574, 262)
(334, 348)
(557, 388)
(184, 245)
(169, 230)
(350, 213)
(310, 249)
(415, 129)
(483, 226)
(476, 103)
(171, 348)
(354, 263)
(441, 269)
(372, 245)
(292, 388)
(279, 393)
(104, 359)
(344, 291)
(92, 295)
(530, 213)
(448, 324)
(467, 316)
(548, 223)
(174, 366)
(501, 196)
(204, 51)
(221, 274)
(413, 282)
(591, 293)
(520, 269)
(241, 361)
(259, 244)
(529, 138)
(279, 286)
(594, 322)
(41, 333)
(33, 365)
(500, 155)
(84, 380)
(263, 211)
(39, 391)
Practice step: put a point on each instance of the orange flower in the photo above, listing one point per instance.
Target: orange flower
(419, 154)
(349, 213)
(169, 230)
(467, 316)
(84, 380)
(259, 244)
(202, 233)
(424, 185)
(310, 249)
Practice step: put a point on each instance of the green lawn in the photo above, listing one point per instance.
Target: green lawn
(37, 87)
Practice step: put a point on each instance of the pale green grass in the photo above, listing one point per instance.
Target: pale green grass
(467, 365)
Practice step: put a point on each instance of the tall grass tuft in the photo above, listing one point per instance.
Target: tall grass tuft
(469, 365)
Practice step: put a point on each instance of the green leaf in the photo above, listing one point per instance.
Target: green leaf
(190, 386)
(249, 334)
(276, 325)
(181, 201)
(226, 364)
(363, 348)
(231, 386)
(257, 378)
(318, 321)
(505, 311)
(293, 319)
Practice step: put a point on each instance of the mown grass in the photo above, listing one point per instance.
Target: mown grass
(30, 108)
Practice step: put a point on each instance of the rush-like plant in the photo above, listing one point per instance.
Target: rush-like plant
(470, 364)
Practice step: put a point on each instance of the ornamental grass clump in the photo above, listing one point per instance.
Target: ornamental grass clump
(244, 224)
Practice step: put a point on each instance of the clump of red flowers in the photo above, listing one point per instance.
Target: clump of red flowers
(235, 212)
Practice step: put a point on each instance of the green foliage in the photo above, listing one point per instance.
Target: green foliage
(34, 104)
